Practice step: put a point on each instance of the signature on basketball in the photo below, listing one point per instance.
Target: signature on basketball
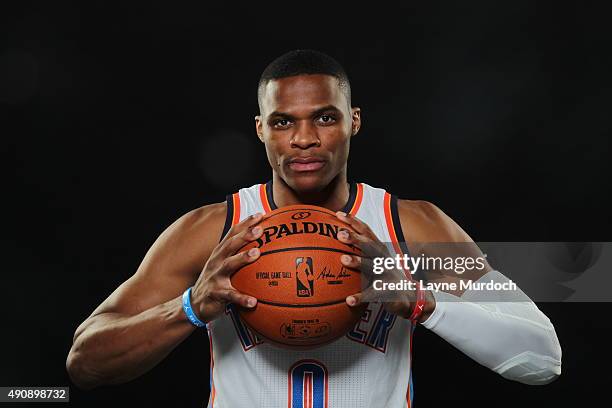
(327, 275)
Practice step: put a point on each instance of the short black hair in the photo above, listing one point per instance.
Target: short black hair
(304, 62)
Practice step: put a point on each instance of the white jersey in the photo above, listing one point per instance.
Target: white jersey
(369, 367)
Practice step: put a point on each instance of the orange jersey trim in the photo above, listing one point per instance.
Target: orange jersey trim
(358, 199)
(263, 196)
(236, 202)
(390, 226)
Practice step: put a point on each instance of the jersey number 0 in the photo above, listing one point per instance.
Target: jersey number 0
(308, 385)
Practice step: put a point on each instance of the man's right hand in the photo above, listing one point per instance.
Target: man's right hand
(213, 289)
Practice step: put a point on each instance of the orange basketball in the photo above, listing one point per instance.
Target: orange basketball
(298, 280)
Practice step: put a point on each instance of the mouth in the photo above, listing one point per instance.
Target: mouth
(304, 164)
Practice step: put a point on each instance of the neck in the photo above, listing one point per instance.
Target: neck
(333, 197)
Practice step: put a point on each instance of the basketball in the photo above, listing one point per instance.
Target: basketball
(298, 280)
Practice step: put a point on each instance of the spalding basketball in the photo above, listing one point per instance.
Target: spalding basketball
(299, 282)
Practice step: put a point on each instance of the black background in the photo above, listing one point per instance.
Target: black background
(119, 118)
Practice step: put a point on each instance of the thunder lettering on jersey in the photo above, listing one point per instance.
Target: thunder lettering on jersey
(369, 367)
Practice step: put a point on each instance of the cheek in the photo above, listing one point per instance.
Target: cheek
(339, 143)
(273, 152)
(343, 151)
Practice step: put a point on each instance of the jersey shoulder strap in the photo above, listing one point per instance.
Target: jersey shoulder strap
(379, 210)
(243, 203)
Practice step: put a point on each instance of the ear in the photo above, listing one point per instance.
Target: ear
(259, 127)
(356, 119)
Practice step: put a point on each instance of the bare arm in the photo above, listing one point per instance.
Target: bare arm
(142, 320)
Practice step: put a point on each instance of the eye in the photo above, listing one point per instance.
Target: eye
(326, 119)
(281, 123)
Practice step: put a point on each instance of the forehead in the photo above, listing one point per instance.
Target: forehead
(301, 92)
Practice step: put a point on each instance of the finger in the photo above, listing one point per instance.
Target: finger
(369, 247)
(232, 263)
(231, 295)
(235, 243)
(243, 225)
(356, 300)
(363, 297)
(362, 264)
(355, 223)
(365, 266)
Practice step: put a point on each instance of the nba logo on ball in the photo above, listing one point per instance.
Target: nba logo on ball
(304, 277)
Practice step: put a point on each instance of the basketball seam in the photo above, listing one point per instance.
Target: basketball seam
(266, 302)
(306, 248)
(296, 208)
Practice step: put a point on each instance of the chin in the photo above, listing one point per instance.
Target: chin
(307, 183)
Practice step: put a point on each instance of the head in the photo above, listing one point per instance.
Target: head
(306, 119)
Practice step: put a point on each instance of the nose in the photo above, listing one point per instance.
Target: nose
(305, 136)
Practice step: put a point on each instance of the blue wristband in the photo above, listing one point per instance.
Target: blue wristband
(189, 310)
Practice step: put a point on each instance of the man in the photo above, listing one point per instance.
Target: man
(306, 123)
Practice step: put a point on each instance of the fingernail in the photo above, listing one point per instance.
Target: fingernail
(343, 234)
(251, 302)
(345, 258)
(253, 252)
(256, 230)
(341, 214)
(350, 300)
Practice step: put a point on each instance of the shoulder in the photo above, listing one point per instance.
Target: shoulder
(210, 215)
(423, 221)
(185, 245)
(202, 224)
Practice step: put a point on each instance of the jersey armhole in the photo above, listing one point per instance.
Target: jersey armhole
(397, 225)
(232, 216)
(399, 233)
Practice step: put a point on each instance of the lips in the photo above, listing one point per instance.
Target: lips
(301, 164)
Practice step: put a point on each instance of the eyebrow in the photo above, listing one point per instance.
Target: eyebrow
(314, 114)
